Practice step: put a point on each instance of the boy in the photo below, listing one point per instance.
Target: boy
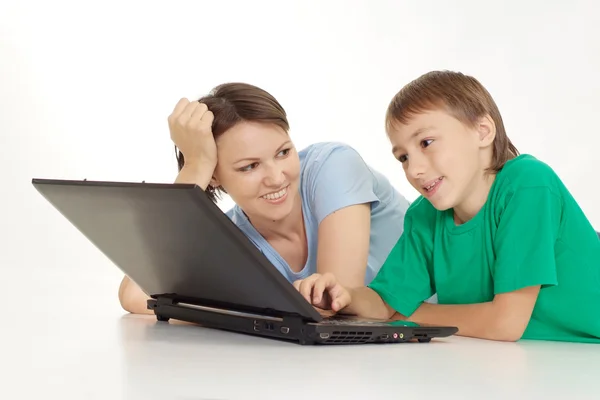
(495, 234)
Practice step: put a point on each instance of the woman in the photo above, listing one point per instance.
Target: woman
(318, 210)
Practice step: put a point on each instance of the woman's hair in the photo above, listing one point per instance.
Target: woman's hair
(460, 95)
(232, 103)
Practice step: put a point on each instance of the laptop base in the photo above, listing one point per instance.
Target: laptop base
(344, 330)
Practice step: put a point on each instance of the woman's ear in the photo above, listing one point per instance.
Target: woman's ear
(487, 131)
(214, 182)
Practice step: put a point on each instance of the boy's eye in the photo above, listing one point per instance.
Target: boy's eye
(426, 142)
(403, 158)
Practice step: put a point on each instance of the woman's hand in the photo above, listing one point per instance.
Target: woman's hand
(190, 125)
(324, 292)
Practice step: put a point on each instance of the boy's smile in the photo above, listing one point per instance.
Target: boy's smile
(445, 160)
(432, 187)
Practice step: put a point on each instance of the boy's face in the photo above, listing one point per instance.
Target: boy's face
(444, 159)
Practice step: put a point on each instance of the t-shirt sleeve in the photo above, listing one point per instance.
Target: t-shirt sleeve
(339, 180)
(525, 239)
(404, 281)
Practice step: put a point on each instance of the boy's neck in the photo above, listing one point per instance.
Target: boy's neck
(475, 200)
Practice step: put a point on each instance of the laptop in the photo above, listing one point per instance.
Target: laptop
(197, 266)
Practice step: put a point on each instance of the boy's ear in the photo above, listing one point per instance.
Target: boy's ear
(487, 131)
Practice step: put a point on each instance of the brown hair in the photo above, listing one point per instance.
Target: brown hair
(462, 96)
(232, 103)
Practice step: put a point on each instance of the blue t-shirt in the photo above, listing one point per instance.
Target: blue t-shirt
(334, 176)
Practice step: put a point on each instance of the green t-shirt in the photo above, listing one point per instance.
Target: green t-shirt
(531, 231)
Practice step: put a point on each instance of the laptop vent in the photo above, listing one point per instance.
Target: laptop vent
(349, 337)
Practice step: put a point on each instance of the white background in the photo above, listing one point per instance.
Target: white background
(86, 87)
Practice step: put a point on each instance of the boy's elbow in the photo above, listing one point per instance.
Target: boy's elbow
(512, 311)
(508, 329)
(509, 336)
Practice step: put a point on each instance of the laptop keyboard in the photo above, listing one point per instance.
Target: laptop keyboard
(344, 321)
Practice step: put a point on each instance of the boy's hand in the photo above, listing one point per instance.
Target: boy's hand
(323, 291)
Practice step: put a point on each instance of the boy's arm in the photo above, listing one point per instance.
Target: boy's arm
(325, 292)
(524, 264)
(366, 303)
(504, 318)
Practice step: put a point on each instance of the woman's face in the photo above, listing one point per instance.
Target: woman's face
(258, 166)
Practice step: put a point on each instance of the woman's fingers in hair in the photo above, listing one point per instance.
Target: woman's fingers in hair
(197, 112)
(207, 120)
(179, 108)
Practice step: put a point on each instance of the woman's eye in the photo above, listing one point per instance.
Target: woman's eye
(284, 152)
(249, 167)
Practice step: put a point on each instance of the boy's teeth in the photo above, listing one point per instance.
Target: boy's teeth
(433, 184)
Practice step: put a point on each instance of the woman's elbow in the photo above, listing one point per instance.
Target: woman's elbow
(128, 305)
(124, 296)
(132, 298)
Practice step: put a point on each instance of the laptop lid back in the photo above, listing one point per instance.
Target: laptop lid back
(172, 239)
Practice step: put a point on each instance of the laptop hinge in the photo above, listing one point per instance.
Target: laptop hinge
(165, 301)
(291, 320)
(161, 300)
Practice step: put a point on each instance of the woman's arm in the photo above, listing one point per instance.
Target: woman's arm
(343, 250)
(198, 173)
(190, 126)
(343, 244)
(132, 298)
(340, 190)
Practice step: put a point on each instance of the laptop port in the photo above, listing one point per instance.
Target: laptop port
(323, 335)
(385, 336)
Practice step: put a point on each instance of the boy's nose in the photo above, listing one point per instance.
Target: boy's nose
(416, 167)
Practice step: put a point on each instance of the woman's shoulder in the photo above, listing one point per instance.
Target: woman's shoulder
(322, 151)
(237, 216)
(331, 160)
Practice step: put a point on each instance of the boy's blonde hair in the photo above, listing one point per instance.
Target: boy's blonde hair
(461, 96)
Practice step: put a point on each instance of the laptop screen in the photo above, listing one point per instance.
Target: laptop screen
(172, 239)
